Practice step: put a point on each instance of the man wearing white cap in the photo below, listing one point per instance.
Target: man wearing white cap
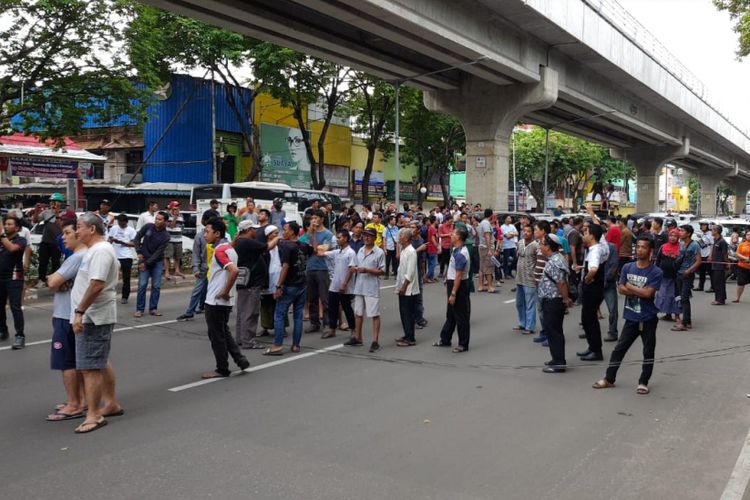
(253, 263)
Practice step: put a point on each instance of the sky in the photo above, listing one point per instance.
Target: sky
(701, 37)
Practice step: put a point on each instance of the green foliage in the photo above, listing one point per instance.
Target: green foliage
(431, 140)
(573, 164)
(739, 11)
(60, 60)
(694, 186)
(298, 81)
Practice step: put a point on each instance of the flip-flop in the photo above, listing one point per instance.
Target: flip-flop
(602, 384)
(271, 352)
(60, 406)
(60, 416)
(678, 328)
(492, 291)
(155, 313)
(642, 390)
(117, 413)
(458, 349)
(213, 374)
(294, 348)
(96, 425)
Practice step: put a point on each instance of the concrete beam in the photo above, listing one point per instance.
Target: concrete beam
(488, 114)
(648, 160)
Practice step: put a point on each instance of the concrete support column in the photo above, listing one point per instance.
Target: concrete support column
(488, 113)
(709, 199)
(648, 161)
(741, 188)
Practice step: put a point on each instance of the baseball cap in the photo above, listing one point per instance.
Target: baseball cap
(106, 202)
(370, 232)
(122, 216)
(247, 224)
(173, 204)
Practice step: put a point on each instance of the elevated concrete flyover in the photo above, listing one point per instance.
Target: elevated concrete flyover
(583, 66)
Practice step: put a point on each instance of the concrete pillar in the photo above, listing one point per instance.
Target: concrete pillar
(709, 187)
(488, 113)
(648, 161)
(741, 188)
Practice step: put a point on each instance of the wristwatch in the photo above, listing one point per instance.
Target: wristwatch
(78, 311)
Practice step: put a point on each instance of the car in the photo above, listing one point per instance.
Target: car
(728, 224)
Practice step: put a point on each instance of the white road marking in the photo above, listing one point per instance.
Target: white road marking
(386, 287)
(737, 484)
(509, 301)
(258, 368)
(124, 328)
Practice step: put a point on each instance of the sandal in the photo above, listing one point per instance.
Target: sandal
(272, 352)
(679, 328)
(603, 384)
(642, 389)
(155, 312)
(59, 416)
(405, 343)
(459, 348)
(438, 343)
(92, 426)
(213, 374)
(295, 348)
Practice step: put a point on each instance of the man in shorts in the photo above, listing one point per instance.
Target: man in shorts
(368, 265)
(63, 355)
(93, 302)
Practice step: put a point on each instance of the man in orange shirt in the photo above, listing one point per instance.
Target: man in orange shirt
(743, 266)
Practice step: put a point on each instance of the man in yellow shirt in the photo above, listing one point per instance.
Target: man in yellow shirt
(379, 228)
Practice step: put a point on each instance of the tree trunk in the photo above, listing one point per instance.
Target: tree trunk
(321, 152)
(306, 138)
(368, 170)
(446, 192)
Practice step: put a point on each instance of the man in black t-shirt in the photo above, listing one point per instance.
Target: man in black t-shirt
(290, 289)
(251, 255)
(12, 247)
(719, 266)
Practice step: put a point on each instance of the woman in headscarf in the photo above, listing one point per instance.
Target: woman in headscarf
(667, 259)
(267, 302)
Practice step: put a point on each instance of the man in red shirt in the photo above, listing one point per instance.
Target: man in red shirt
(613, 232)
(433, 248)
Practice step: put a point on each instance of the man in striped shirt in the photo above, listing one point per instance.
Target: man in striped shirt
(541, 229)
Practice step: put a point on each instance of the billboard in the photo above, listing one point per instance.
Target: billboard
(284, 156)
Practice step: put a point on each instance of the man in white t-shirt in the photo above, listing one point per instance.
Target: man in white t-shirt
(148, 216)
(223, 273)
(121, 235)
(93, 302)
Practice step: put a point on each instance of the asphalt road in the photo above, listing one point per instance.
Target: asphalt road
(412, 423)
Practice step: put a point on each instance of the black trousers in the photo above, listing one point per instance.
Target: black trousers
(48, 253)
(685, 287)
(631, 330)
(222, 342)
(553, 314)
(444, 259)
(11, 291)
(704, 270)
(593, 296)
(719, 284)
(458, 315)
(407, 308)
(391, 262)
(317, 289)
(126, 265)
(345, 300)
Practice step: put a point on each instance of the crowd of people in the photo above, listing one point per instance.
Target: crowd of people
(329, 269)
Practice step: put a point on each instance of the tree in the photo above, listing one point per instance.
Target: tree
(299, 81)
(160, 42)
(739, 12)
(371, 104)
(430, 140)
(694, 186)
(573, 164)
(722, 197)
(61, 64)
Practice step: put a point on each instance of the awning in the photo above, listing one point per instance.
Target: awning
(155, 188)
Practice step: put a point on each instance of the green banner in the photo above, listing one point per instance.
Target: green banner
(284, 156)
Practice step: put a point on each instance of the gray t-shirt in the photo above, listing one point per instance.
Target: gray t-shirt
(100, 263)
(342, 261)
(484, 228)
(68, 270)
(369, 284)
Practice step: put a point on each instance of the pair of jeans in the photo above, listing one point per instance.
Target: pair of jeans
(509, 257)
(685, 287)
(152, 272)
(317, 289)
(222, 342)
(719, 284)
(431, 263)
(198, 296)
(630, 331)
(457, 316)
(126, 265)
(391, 262)
(526, 298)
(593, 296)
(48, 253)
(248, 311)
(345, 300)
(12, 291)
(419, 319)
(407, 308)
(290, 296)
(610, 298)
(554, 314)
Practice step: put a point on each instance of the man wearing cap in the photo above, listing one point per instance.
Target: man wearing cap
(121, 235)
(148, 216)
(368, 265)
(213, 212)
(251, 260)
(174, 247)
(103, 213)
(48, 249)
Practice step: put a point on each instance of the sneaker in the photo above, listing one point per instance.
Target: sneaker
(423, 323)
(419, 326)
(374, 347)
(353, 342)
(184, 317)
(610, 338)
(199, 311)
(4, 335)
(19, 343)
(539, 339)
(545, 343)
(243, 363)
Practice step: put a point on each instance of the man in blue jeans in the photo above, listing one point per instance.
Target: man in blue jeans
(291, 289)
(200, 267)
(150, 243)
